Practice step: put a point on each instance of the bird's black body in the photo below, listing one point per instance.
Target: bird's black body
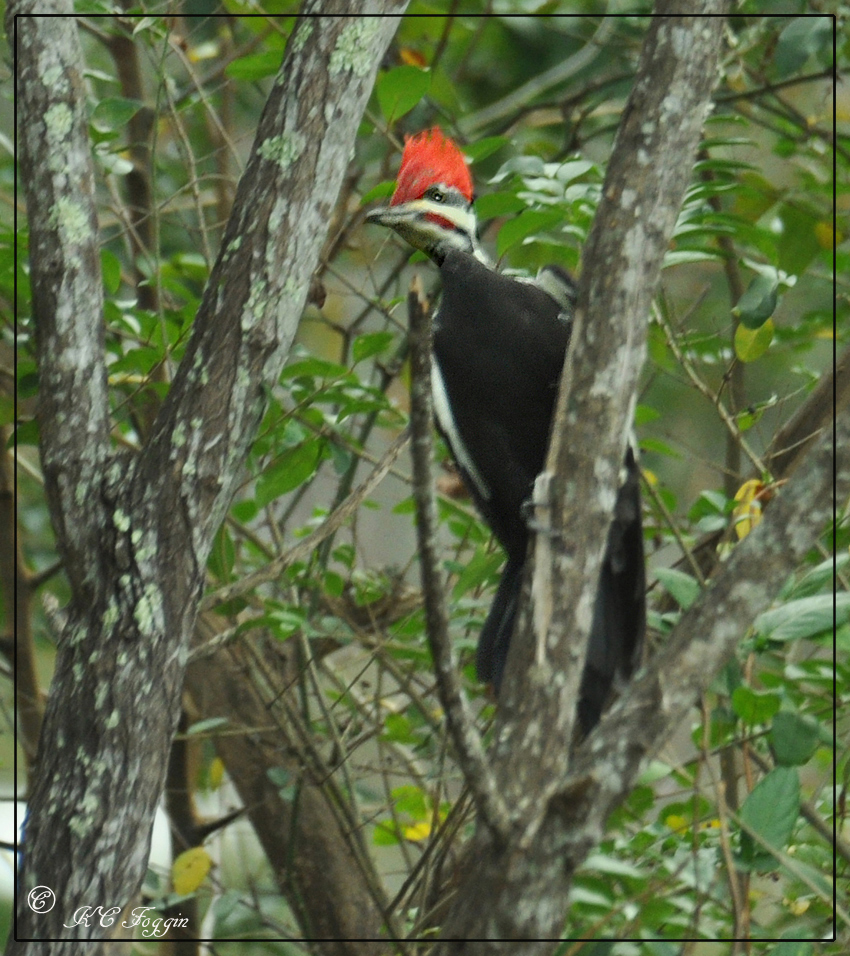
(499, 346)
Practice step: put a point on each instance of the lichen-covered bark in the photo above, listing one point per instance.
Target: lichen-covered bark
(135, 532)
(519, 891)
(644, 187)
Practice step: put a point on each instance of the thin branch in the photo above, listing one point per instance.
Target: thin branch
(703, 389)
(555, 76)
(305, 547)
(687, 552)
(825, 74)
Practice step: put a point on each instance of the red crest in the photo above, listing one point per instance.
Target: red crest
(430, 158)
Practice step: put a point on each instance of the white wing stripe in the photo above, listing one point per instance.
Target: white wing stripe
(446, 420)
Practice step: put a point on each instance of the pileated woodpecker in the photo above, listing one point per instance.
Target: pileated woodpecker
(499, 345)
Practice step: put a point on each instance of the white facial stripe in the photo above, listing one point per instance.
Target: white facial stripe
(462, 219)
(443, 412)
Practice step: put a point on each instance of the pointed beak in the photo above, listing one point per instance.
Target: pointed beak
(377, 216)
(389, 216)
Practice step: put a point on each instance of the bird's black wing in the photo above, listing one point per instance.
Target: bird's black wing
(499, 346)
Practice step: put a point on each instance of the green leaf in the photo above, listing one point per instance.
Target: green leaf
(678, 257)
(818, 578)
(754, 707)
(386, 834)
(758, 303)
(410, 800)
(794, 738)
(254, 66)
(804, 618)
(612, 866)
(498, 204)
(644, 414)
(110, 268)
(482, 148)
(655, 770)
(397, 728)
(798, 243)
(523, 165)
(27, 433)
(381, 191)
(526, 224)
(222, 555)
(400, 90)
(27, 378)
(802, 38)
(407, 506)
(285, 782)
(288, 471)
(751, 344)
(244, 511)
(481, 568)
(287, 622)
(572, 169)
(204, 726)
(372, 343)
(114, 113)
(771, 811)
(659, 447)
(684, 588)
(312, 366)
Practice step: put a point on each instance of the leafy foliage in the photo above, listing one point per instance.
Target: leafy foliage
(727, 833)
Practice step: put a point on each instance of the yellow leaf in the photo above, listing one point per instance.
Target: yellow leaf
(418, 831)
(797, 907)
(676, 822)
(825, 235)
(747, 513)
(216, 773)
(412, 57)
(190, 869)
(751, 344)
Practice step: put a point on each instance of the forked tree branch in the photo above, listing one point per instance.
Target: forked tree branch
(519, 891)
(135, 533)
(644, 187)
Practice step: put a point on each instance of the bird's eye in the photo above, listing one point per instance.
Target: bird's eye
(437, 195)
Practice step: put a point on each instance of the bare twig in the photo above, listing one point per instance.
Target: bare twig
(334, 521)
(703, 389)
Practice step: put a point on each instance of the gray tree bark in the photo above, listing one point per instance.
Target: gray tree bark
(517, 885)
(135, 532)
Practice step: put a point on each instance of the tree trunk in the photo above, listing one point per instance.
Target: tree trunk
(135, 532)
(519, 889)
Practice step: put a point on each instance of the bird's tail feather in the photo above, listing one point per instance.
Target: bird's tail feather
(496, 634)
